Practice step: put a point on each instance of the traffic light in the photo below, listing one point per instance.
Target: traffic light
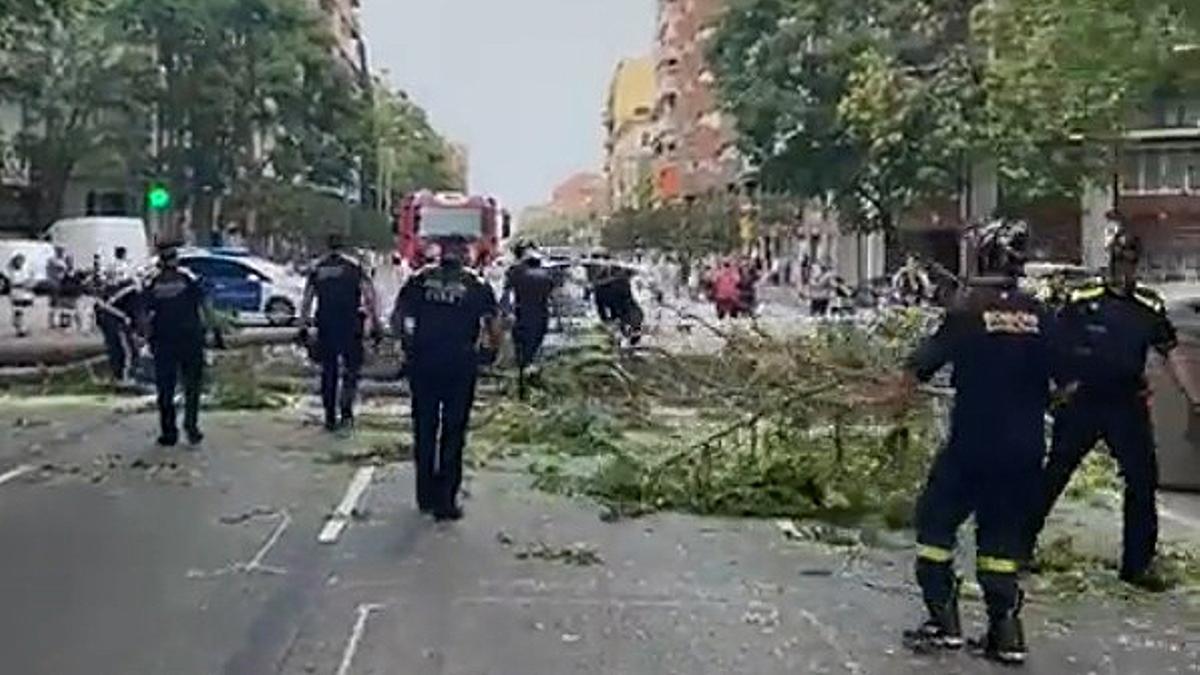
(158, 197)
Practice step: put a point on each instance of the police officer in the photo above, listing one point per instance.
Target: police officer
(439, 313)
(531, 286)
(174, 321)
(116, 311)
(998, 340)
(1108, 329)
(345, 299)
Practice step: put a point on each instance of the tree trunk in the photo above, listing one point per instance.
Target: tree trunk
(203, 206)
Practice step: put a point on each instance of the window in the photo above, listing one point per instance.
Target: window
(217, 269)
(1176, 170)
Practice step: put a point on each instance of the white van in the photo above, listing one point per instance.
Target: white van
(84, 238)
(36, 254)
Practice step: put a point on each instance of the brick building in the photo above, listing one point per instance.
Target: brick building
(583, 195)
(349, 43)
(693, 144)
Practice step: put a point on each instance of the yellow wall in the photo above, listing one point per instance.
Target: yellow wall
(632, 88)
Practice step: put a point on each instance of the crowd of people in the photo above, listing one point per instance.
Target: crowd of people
(64, 284)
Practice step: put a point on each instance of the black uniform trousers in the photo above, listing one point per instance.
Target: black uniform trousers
(1123, 422)
(175, 360)
(995, 479)
(528, 333)
(118, 343)
(441, 408)
(341, 357)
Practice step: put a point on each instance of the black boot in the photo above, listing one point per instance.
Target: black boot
(194, 436)
(942, 630)
(1005, 639)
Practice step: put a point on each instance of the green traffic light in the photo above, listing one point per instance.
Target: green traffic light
(158, 198)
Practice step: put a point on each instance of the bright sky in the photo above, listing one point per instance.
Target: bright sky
(522, 82)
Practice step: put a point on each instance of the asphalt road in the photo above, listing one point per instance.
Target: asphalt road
(123, 558)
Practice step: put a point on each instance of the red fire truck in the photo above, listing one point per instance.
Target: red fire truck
(425, 217)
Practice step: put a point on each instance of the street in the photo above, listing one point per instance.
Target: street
(122, 557)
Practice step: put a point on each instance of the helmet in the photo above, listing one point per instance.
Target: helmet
(1000, 246)
(1123, 246)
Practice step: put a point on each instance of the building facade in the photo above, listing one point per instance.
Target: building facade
(582, 196)
(693, 144)
(349, 44)
(628, 121)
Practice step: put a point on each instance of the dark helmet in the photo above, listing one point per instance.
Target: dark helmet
(1001, 247)
(455, 248)
(168, 250)
(1123, 246)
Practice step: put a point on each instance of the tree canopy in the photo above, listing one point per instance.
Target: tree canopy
(229, 102)
(874, 106)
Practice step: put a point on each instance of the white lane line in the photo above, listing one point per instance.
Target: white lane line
(360, 627)
(255, 563)
(1165, 513)
(16, 473)
(341, 516)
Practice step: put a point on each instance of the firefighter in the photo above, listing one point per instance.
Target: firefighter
(439, 314)
(1108, 329)
(530, 286)
(176, 314)
(998, 340)
(345, 300)
(116, 311)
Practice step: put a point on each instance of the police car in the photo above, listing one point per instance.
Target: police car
(256, 291)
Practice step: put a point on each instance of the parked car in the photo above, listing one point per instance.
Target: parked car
(36, 254)
(256, 291)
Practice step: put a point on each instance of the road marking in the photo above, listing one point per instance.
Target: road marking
(1166, 513)
(16, 473)
(360, 627)
(256, 562)
(341, 516)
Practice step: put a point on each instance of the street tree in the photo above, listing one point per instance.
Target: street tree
(85, 92)
(874, 106)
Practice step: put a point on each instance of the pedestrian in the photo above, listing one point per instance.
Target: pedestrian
(1108, 329)
(176, 316)
(21, 296)
(439, 314)
(56, 273)
(116, 309)
(999, 341)
(346, 312)
(726, 283)
(821, 289)
(528, 287)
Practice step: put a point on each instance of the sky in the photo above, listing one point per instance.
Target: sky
(522, 83)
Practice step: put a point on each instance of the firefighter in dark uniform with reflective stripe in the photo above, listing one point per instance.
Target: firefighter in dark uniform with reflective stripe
(439, 314)
(1108, 329)
(176, 319)
(531, 287)
(117, 310)
(998, 340)
(345, 299)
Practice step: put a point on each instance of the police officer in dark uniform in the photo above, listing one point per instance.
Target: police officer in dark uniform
(175, 320)
(1108, 329)
(439, 314)
(531, 287)
(345, 299)
(117, 310)
(998, 340)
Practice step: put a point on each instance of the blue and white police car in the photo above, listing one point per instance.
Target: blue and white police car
(254, 290)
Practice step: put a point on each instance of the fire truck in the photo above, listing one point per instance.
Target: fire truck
(425, 217)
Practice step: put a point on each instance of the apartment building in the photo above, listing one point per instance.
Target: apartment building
(344, 25)
(693, 144)
(628, 122)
